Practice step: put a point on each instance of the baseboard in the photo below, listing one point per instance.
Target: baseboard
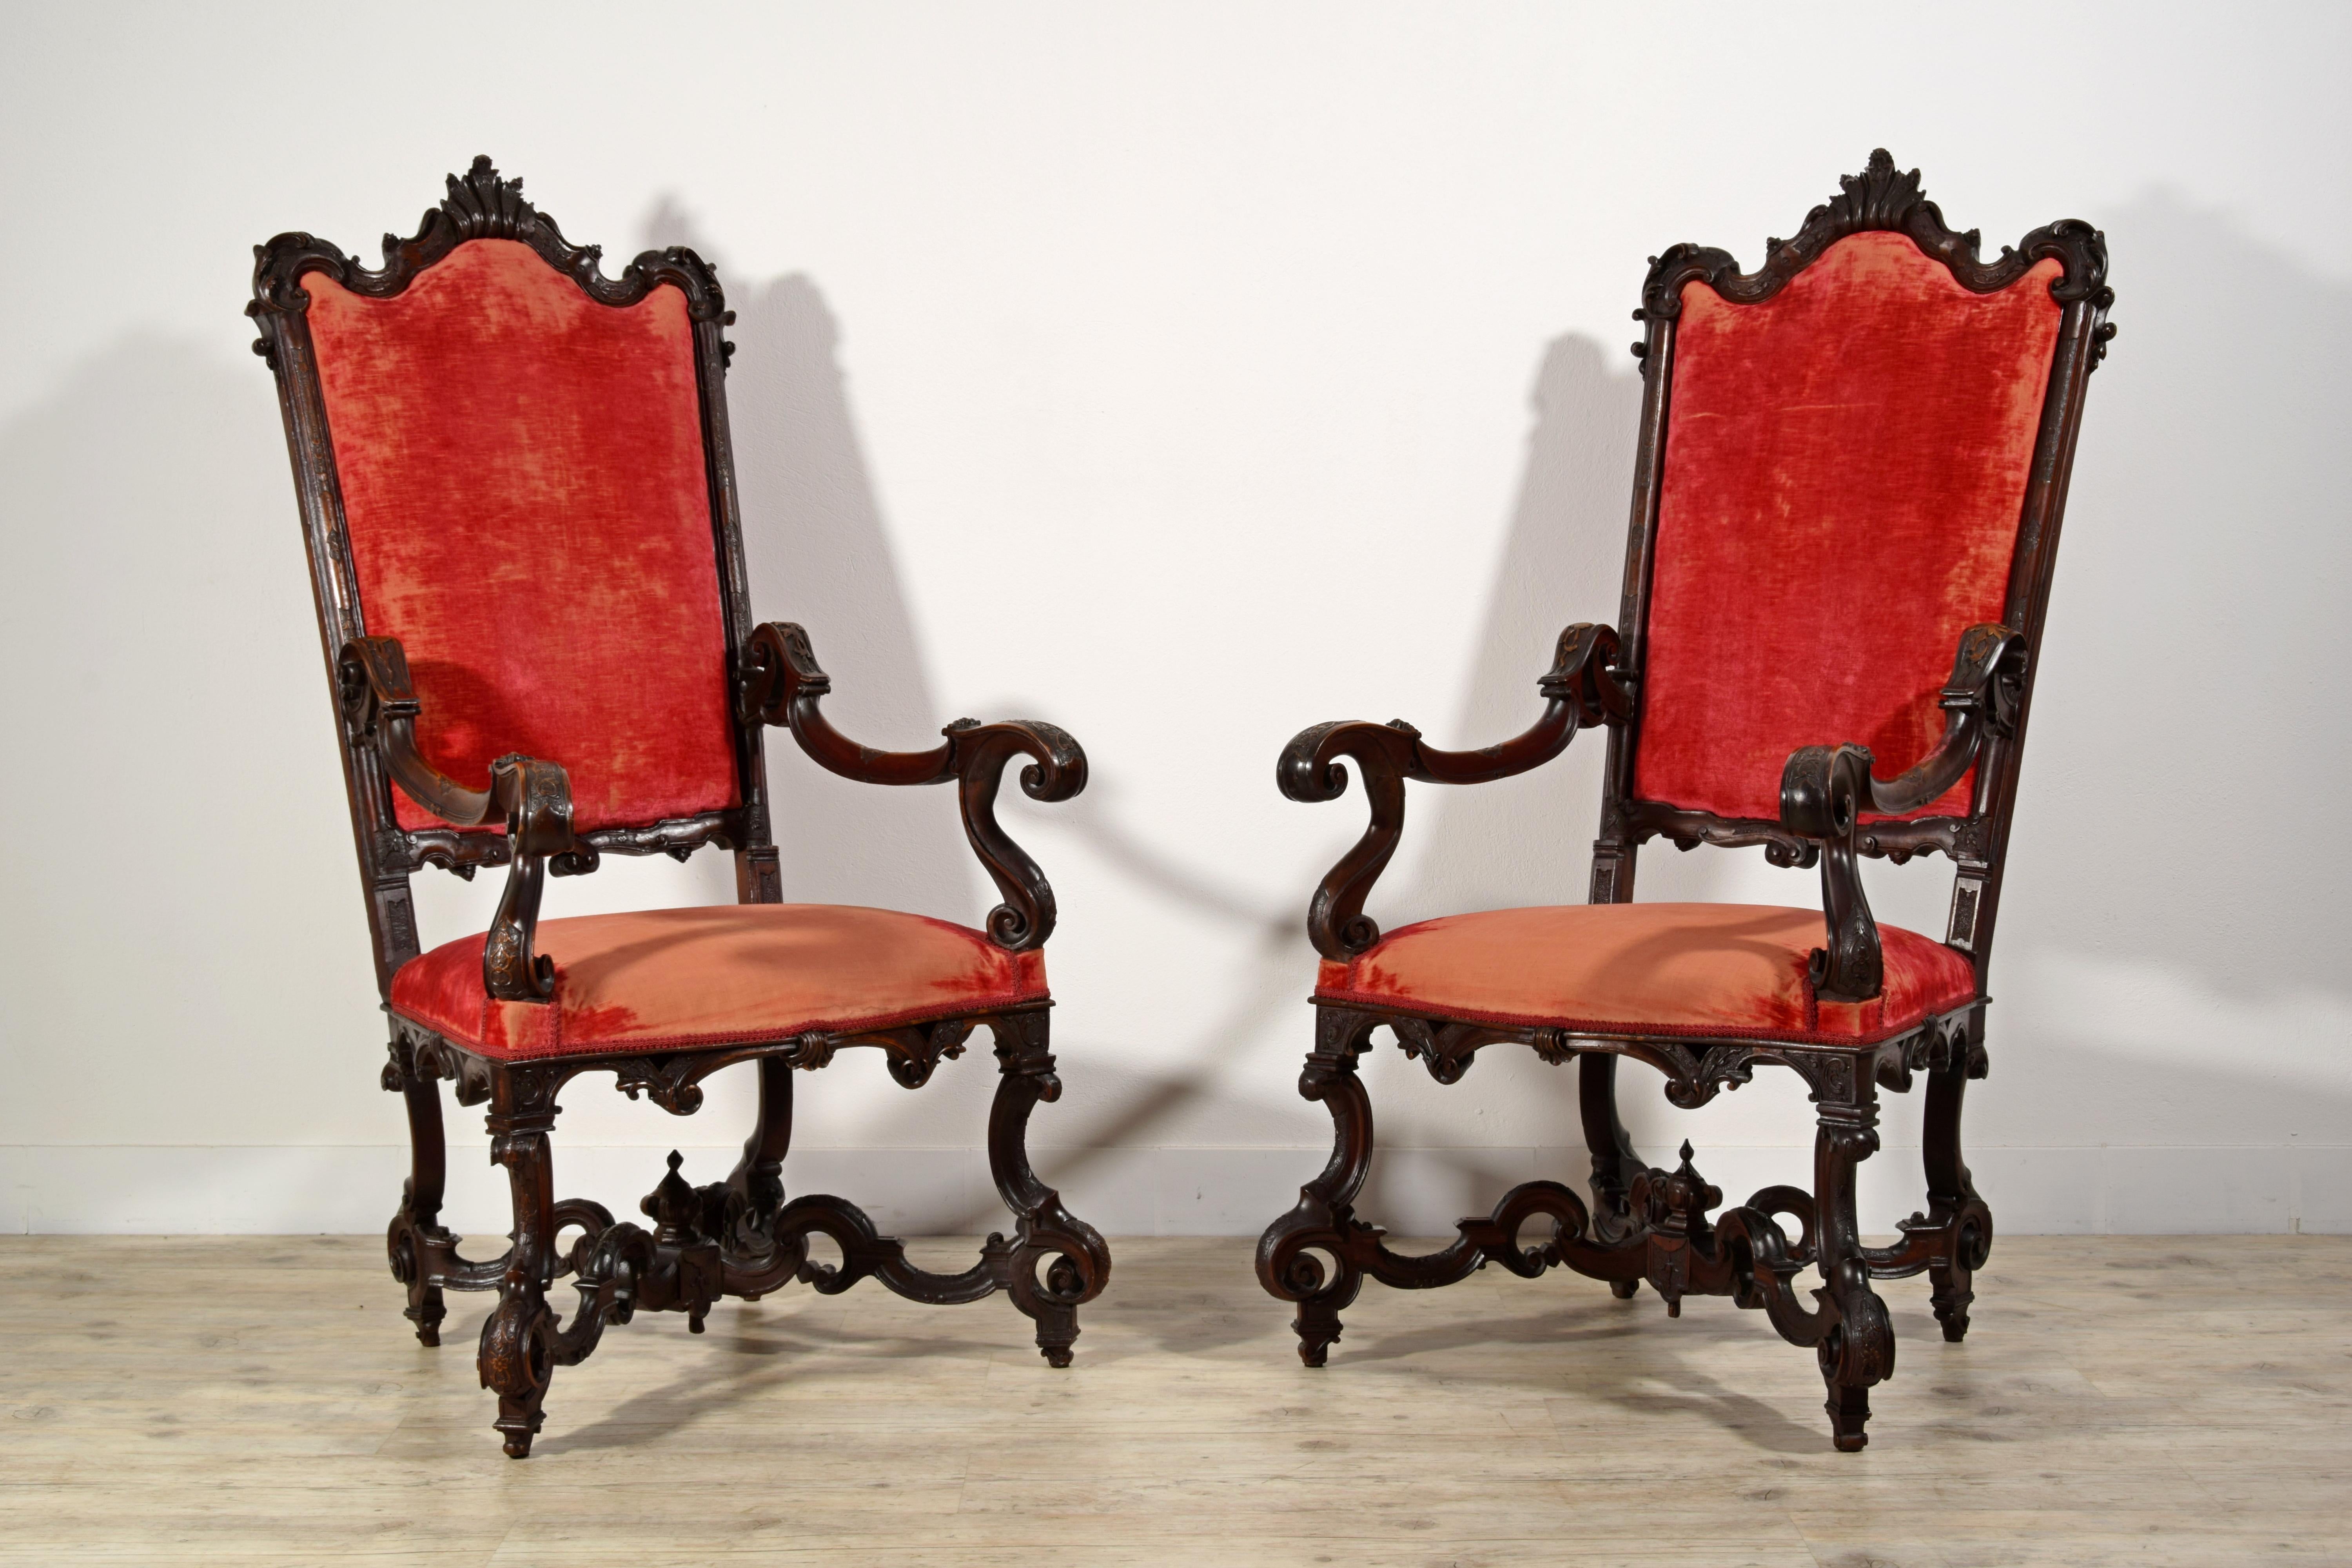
(150, 1190)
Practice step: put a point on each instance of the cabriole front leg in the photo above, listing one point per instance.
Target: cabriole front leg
(1325, 1221)
(1075, 1262)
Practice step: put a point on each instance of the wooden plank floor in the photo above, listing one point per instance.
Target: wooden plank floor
(2138, 1400)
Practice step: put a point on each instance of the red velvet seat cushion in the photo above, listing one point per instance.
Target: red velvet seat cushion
(664, 979)
(1845, 469)
(1662, 969)
(528, 509)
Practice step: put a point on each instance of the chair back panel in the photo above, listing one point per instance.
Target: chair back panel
(1844, 472)
(528, 505)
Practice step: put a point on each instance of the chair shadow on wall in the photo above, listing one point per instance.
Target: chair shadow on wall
(2179, 463)
(1512, 843)
(819, 552)
(2201, 431)
(147, 515)
(2190, 439)
(1526, 840)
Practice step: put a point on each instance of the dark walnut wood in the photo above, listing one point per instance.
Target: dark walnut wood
(735, 1238)
(1579, 691)
(532, 797)
(1825, 790)
(782, 684)
(1659, 1226)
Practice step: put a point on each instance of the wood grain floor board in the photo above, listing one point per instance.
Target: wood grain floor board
(2148, 1401)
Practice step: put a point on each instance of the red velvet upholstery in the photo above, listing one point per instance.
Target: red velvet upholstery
(1845, 466)
(663, 979)
(1656, 969)
(523, 478)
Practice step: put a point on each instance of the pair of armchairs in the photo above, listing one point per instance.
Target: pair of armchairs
(519, 505)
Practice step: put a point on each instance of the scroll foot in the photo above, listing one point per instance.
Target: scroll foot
(1849, 1411)
(1318, 1326)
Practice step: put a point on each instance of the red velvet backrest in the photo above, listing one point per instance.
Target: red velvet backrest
(1845, 470)
(529, 511)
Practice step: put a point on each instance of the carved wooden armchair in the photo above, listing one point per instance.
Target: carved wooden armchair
(1850, 471)
(520, 509)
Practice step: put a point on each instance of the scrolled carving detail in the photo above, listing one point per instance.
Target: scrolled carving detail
(1828, 1073)
(1448, 1049)
(479, 204)
(1051, 1264)
(1823, 790)
(915, 1050)
(672, 1082)
(779, 681)
(1057, 771)
(1881, 198)
(1694, 1075)
(1552, 1047)
(1834, 811)
(811, 1051)
(435, 1057)
(612, 1268)
(532, 796)
(1687, 830)
(1581, 689)
(914, 1061)
(776, 668)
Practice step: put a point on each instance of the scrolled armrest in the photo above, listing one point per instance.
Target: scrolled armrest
(1580, 690)
(1825, 790)
(1057, 771)
(1980, 702)
(531, 796)
(779, 683)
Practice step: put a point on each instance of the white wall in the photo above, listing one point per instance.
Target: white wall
(1183, 374)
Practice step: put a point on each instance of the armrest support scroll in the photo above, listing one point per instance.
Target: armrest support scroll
(1825, 790)
(532, 796)
(781, 683)
(1057, 771)
(1581, 689)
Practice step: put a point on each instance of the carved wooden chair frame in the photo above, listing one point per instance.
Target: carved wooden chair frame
(736, 1237)
(1647, 1224)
